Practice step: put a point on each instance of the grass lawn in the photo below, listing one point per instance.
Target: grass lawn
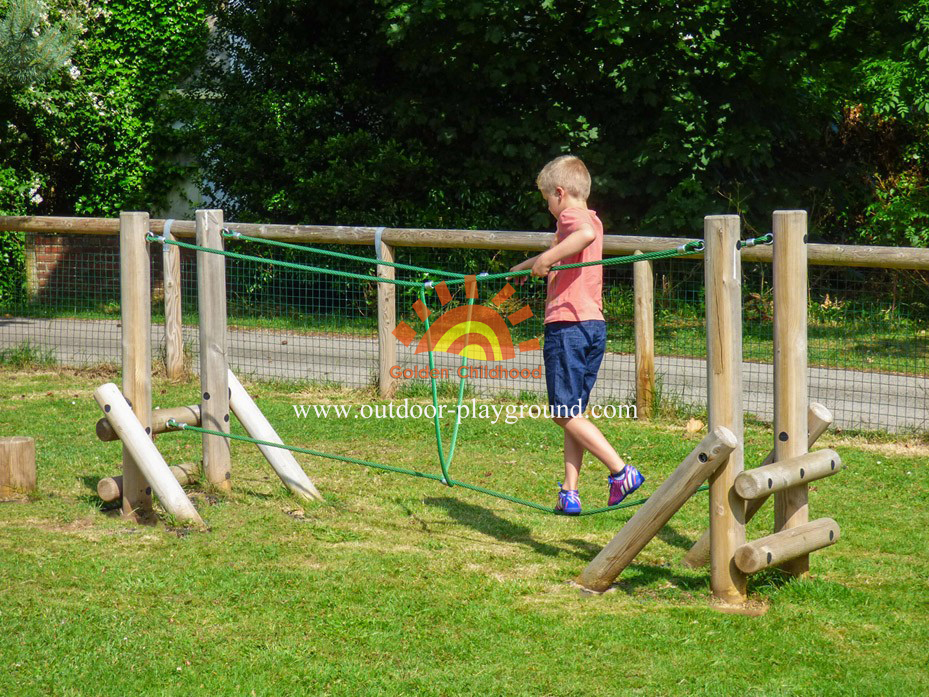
(399, 586)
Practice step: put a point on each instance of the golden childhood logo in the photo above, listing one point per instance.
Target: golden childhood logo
(473, 331)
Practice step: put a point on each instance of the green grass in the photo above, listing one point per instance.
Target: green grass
(399, 586)
(26, 355)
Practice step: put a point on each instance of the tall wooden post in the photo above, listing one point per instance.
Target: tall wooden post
(135, 293)
(723, 270)
(790, 367)
(214, 382)
(174, 337)
(644, 299)
(386, 323)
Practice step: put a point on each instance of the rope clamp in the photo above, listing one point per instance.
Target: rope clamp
(151, 237)
(427, 284)
(172, 423)
(231, 233)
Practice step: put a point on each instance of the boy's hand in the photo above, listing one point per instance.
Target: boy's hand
(541, 267)
(522, 266)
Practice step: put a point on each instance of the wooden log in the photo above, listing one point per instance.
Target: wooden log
(790, 367)
(111, 488)
(781, 475)
(151, 464)
(723, 278)
(188, 415)
(214, 383)
(386, 323)
(644, 301)
(819, 254)
(654, 513)
(174, 335)
(135, 294)
(17, 465)
(786, 545)
(819, 419)
(258, 427)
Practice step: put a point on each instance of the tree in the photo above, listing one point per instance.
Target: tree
(440, 113)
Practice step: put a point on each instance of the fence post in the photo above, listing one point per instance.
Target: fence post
(135, 297)
(723, 271)
(644, 301)
(386, 323)
(214, 381)
(174, 336)
(790, 367)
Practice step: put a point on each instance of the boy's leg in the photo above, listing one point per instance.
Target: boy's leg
(584, 435)
(573, 457)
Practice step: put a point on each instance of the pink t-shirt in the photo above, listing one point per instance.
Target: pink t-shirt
(575, 295)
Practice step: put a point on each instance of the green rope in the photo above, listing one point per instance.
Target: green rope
(692, 247)
(767, 238)
(284, 264)
(444, 462)
(339, 255)
(401, 470)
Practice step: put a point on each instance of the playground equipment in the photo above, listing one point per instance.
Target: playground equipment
(128, 415)
(735, 494)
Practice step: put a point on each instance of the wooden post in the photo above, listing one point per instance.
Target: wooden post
(783, 546)
(160, 417)
(790, 367)
(778, 476)
(654, 513)
(386, 323)
(819, 419)
(174, 335)
(258, 427)
(17, 465)
(135, 292)
(214, 383)
(144, 453)
(723, 271)
(644, 300)
(111, 488)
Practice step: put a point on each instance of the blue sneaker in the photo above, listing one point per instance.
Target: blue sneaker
(569, 502)
(624, 483)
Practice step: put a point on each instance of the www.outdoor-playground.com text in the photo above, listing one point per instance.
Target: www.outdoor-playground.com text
(510, 413)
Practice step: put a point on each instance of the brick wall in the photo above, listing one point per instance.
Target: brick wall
(83, 269)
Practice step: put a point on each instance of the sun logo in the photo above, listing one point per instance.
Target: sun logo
(472, 331)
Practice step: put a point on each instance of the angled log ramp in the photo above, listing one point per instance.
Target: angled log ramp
(819, 418)
(144, 454)
(788, 544)
(652, 516)
(259, 428)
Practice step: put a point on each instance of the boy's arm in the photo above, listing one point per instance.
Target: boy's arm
(572, 244)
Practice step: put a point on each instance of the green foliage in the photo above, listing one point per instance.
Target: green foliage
(33, 46)
(100, 136)
(439, 114)
(12, 263)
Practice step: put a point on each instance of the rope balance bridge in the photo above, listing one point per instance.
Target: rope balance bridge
(735, 494)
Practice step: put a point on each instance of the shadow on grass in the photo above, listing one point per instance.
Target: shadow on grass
(643, 575)
(672, 537)
(489, 523)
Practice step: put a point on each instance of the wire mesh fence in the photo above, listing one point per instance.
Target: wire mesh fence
(868, 342)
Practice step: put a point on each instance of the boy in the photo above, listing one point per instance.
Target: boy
(575, 331)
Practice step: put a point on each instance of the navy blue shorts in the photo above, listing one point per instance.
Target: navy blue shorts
(573, 352)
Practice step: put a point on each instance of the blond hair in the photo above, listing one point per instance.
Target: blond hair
(568, 172)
